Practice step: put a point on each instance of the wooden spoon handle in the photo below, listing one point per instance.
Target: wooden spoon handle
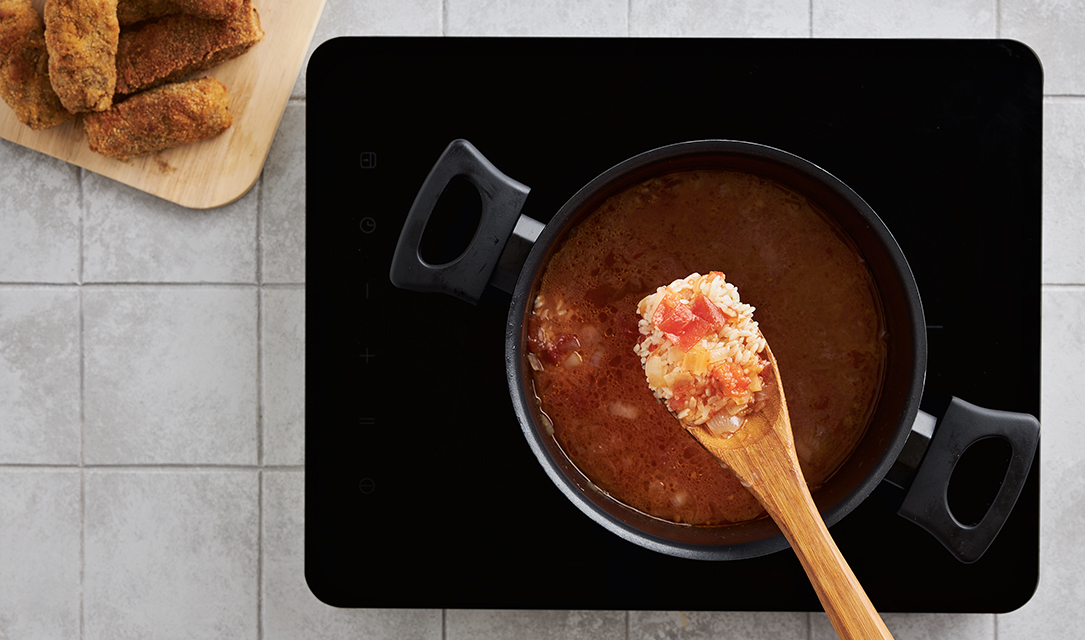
(771, 471)
(761, 453)
(841, 594)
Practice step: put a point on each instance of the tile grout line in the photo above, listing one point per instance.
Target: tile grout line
(260, 288)
(81, 258)
(82, 405)
(259, 411)
(82, 552)
(163, 284)
(152, 466)
(82, 474)
(260, 554)
(1061, 286)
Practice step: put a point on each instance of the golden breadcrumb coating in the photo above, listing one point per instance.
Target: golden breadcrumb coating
(177, 45)
(81, 36)
(24, 67)
(161, 118)
(217, 9)
(133, 11)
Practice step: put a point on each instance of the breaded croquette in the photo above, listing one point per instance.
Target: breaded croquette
(81, 36)
(174, 46)
(24, 67)
(214, 9)
(132, 11)
(161, 118)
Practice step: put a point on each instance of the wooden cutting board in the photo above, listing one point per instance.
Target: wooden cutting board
(217, 171)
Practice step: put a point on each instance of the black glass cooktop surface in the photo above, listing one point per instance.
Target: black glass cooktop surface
(421, 490)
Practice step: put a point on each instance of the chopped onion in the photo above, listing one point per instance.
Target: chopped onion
(573, 360)
(534, 361)
(696, 360)
(547, 423)
(677, 378)
(624, 410)
(722, 423)
(653, 368)
(755, 382)
(589, 334)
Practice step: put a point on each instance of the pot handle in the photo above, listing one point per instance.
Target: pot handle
(466, 276)
(926, 502)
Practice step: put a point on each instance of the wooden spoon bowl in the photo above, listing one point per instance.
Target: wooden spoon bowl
(762, 455)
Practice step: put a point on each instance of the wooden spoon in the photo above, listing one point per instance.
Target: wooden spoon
(761, 453)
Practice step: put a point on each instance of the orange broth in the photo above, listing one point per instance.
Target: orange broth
(815, 303)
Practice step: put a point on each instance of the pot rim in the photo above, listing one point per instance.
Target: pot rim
(665, 159)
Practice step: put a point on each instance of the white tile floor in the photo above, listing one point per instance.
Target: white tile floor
(151, 415)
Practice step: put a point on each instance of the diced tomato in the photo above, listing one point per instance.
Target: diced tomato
(671, 316)
(708, 311)
(691, 334)
(730, 380)
(679, 323)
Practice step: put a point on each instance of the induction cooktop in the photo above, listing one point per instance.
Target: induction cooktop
(421, 490)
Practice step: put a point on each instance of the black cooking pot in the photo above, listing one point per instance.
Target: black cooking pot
(902, 444)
